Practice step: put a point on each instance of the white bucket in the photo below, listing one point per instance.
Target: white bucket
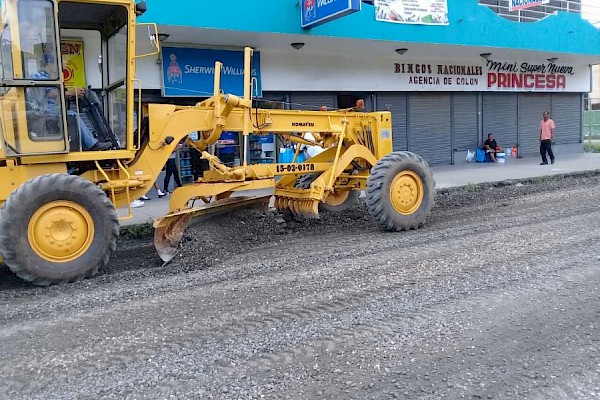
(500, 157)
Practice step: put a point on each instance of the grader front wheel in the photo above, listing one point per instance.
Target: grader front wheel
(400, 191)
(57, 228)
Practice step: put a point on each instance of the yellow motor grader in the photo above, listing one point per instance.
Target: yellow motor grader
(63, 176)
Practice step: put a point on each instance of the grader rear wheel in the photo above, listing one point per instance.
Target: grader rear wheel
(57, 228)
(400, 191)
(337, 201)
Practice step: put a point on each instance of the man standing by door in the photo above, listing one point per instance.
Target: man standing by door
(546, 137)
(171, 169)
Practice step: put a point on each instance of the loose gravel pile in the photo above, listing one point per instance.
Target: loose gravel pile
(213, 240)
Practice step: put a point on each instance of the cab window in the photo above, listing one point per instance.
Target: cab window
(38, 40)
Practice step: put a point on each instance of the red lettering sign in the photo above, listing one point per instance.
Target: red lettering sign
(503, 80)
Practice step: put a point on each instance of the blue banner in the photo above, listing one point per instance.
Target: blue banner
(189, 72)
(317, 12)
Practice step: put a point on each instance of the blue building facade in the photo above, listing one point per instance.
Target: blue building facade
(448, 78)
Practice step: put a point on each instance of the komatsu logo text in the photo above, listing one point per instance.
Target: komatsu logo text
(303, 124)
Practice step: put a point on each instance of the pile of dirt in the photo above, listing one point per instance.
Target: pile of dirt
(212, 240)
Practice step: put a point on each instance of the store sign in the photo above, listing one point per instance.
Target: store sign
(317, 12)
(493, 76)
(514, 5)
(189, 72)
(427, 12)
(73, 62)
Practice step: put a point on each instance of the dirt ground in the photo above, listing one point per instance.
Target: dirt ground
(497, 297)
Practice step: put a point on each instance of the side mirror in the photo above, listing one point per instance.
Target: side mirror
(141, 8)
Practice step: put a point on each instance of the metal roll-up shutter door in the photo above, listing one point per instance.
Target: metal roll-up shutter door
(429, 127)
(531, 108)
(567, 113)
(465, 127)
(396, 104)
(368, 103)
(312, 101)
(273, 101)
(500, 118)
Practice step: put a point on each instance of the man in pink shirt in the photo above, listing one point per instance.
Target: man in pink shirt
(546, 137)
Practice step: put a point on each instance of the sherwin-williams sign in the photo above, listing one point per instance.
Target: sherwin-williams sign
(189, 72)
(427, 12)
(514, 5)
(317, 12)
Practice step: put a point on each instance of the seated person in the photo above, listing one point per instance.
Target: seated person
(491, 147)
(88, 141)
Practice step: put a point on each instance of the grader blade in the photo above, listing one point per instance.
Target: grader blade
(169, 230)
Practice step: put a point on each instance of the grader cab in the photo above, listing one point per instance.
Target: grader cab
(63, 175)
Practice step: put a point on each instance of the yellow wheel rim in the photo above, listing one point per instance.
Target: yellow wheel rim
(61, 231)
(337, 197)
(406, 192)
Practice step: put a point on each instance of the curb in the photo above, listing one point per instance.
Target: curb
(531, 180)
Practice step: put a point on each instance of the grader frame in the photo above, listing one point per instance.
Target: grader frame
(58, 221)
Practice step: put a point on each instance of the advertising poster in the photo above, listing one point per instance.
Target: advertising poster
(73, 63)
(515, 5)
(427, 12)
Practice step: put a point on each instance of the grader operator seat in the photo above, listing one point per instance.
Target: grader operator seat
(92, 113)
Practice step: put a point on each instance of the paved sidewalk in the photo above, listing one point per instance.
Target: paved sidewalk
(473, 173)
(446, 176)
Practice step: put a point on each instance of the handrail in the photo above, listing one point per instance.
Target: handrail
(138, 144)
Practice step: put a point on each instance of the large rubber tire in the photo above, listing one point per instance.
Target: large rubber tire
(400, 191)
(304, 181)
(345, 201)
(57, 228)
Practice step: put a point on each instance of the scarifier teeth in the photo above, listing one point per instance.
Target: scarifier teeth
(315, 209)
(306, 208)
(298, 207)
(295, 204)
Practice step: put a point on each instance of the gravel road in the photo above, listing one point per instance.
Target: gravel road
(497, 297)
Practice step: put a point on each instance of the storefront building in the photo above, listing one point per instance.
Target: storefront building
(449, 77)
